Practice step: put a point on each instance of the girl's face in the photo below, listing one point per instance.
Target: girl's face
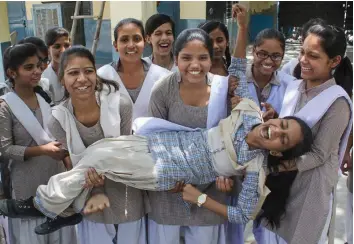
(277, 134)
(315, 63)
(130, 43)
(79, 78)
(219, 43)
(162, 40)
(28, 74)
(59, 46)
(194, 62)
(268, 56)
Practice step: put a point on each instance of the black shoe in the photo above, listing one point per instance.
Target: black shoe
(58, 222)
(19, 208)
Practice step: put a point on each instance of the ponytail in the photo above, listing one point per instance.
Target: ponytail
(42, 93)
(343, 75)
(297, 71)
(227, 56)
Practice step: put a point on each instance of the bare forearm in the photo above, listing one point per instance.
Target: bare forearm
(32, 152)
(216, 207)
(67, 163)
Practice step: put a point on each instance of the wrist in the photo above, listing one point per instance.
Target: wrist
(42, 150)
(242, 27)
(202, 199)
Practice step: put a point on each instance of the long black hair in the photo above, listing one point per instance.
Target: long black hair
(15, 56)
(279, 184)
(190, 35)
(334, 43)
(82, 52)
(212, 25)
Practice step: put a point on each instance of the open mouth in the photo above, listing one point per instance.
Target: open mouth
(164, 45)
(266, 132)
(267, 66)
(194, 72)
(131, 52)
(305, 69)
(82, 88)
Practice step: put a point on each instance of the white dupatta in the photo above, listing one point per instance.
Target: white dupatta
(109, 120)
(39, 133)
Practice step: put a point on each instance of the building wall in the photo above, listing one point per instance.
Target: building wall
(262, 15)
(30, 27)
(4, 36)
(4, 23)
(192, 13)
(104, 47)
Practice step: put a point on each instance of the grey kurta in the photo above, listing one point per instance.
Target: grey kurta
(168, 208)
(127, 204)
(308, 204)
(26, 176)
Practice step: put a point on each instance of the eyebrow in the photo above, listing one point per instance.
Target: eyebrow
(88, 67)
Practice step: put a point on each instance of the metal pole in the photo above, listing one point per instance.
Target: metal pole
(98, 29)
(73, 28)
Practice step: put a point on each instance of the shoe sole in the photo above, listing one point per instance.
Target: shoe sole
(73, 222)
(21, 216)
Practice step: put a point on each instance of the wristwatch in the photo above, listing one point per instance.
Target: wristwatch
(201, 200)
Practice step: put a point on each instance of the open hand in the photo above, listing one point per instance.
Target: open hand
(224, 184)
(92, 179)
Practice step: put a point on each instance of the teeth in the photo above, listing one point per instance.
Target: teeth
(194, 72)
(266, 66)
(131, 52)
(269, 133)
(164, 45)
(82, 88)
(306, 69)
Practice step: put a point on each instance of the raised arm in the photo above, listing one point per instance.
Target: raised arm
(238, 64)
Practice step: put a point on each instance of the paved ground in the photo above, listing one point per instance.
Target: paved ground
(292, 51)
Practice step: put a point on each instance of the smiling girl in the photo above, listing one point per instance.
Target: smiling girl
(57, 40)
(184, 97)
(27, 142)
(134, 75)
(160, 34)
(221, 52)
(327, 109)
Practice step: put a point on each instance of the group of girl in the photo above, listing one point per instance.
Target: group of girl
(177, 86)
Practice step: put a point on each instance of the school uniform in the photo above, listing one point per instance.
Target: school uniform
(174, 67)
(289, 67)
(168, 218)
(327, 109)
(272, 93)
(21, 128)
(52, 85)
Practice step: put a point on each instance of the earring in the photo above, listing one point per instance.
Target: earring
(273, 153)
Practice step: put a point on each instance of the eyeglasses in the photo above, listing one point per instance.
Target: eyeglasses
(44, 60)
(276, 57)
